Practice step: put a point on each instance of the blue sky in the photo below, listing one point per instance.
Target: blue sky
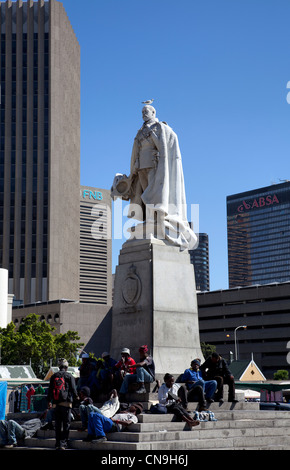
(218, 71)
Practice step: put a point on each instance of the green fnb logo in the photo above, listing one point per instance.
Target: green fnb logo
(96, 195)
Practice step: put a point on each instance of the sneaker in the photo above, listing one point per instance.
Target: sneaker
(141, 390)
(10, 446)
(99, 439)
(202, 407)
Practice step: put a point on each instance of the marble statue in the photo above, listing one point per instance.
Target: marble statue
(155, 186)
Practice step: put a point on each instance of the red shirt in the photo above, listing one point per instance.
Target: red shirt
(128, 362)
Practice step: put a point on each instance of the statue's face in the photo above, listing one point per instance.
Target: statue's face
(147, 113)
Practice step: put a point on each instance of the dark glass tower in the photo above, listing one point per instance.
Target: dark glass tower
(258, 224)
(39, 150)
(200, 259)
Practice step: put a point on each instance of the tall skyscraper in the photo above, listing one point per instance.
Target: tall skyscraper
(258, 223)
(95, 246)
(39, 151)
(200, 259)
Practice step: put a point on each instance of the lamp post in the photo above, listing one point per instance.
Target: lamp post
(236, 349)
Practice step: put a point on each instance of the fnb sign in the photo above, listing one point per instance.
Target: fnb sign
(96, 195)
(259, 202)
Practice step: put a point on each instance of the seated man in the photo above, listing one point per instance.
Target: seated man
(86, 407)
(145, 372)
(99, 425)
(172, 397)
(123, 367)
(192, 378)
(216, 368)
(12, 432)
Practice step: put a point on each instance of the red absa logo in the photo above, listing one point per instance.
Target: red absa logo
(258, 202)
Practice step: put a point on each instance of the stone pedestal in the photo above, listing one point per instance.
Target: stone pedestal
(155, 304)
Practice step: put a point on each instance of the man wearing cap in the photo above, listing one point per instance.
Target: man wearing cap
(122, 366)
(99, 425)
(61, 394)
(145, 372)
(192, 377)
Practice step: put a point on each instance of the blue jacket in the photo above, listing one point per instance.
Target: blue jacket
(191, 375)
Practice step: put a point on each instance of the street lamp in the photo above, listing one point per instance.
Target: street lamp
(236, 350)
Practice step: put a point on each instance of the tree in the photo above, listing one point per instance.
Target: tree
(207, 349)
(35, 343)
(281, 375)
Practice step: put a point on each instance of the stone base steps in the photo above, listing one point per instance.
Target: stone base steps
(241, 426)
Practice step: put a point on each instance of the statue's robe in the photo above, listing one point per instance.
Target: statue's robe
(166, 191)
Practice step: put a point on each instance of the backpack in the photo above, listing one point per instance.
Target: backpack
(59, 389)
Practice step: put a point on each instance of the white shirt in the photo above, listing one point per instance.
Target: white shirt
(125, 417)
(163, 394)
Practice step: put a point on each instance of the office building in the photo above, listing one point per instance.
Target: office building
(258, 224)
(39, 151)
(95, 246)
(200, 259)
(264, 310)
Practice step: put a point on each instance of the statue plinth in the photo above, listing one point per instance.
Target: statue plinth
(155, 304)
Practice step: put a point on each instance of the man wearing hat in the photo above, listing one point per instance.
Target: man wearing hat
(126, 365)
(99, 425)
(61, 394)
(192, 377)
(145, 372)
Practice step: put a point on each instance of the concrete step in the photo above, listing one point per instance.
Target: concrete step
(172, 441)
(248, 430)
(238, 427)
(224, 424)
(226, 406)
(169, 424)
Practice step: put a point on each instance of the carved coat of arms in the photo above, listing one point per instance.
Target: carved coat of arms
(131, 288)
